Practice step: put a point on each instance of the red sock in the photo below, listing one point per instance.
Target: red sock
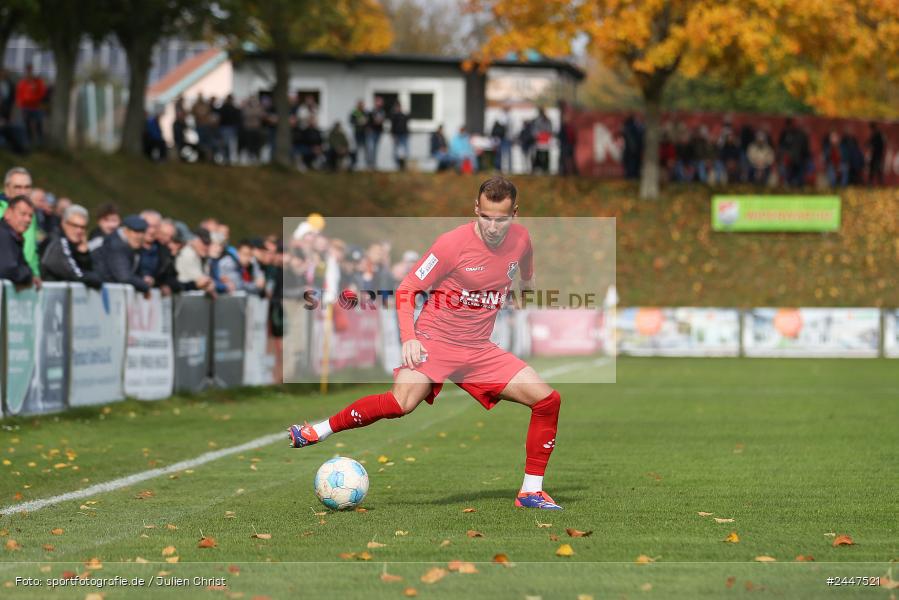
(366, 411)
(542, 433)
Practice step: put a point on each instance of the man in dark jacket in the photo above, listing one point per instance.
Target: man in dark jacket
(117, 260)
(16, 219)
(67, 257)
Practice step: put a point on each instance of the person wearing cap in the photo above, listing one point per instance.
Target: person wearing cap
(192, 264)
(118, 258)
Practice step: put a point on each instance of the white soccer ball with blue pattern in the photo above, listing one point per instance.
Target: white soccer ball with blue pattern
(341, 483)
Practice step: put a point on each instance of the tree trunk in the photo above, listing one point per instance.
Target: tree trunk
(64, 55)
(282, 149)
(649, 171)
(139, 55)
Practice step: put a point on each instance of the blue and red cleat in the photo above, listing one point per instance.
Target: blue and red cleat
(536, 500)
(302, 436)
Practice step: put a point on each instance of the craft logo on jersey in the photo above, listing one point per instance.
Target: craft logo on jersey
(429, 263)
(513, 268)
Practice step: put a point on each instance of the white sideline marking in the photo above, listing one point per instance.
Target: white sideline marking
(115, 484)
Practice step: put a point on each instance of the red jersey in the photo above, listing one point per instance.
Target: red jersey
(469, 283)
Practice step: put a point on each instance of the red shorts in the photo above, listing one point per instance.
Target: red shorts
(483, 371)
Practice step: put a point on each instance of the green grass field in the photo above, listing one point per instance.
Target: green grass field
(794, 451)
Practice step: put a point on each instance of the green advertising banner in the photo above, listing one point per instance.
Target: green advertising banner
(22, 313)
(776, 213)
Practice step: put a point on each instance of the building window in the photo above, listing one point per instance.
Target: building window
(304, 95)
(421, 106)
(389, 98)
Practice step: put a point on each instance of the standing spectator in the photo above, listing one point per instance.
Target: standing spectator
(67, 257)
(30, 94)
(703, 152)
(192, 264)
(17, 182)
(155, 147)
(338, 147)
(253, 120)
(310, 144)
(667, 151)
(761, 156)
(374, 126)
(836, 168)
(108, 220)
(118, 259)
(526, 141)
(685, 154)
(204, 121)
(501, 134)
(747, 137)
(793, 150)
(17, 219)
(399, 130)
(567, 140)
(359, 125)
(440, 150)
(855, 158)
(876, 153)
(632, 132)
(11, 134)
(229, 128)
(543, 136)
(728, 164)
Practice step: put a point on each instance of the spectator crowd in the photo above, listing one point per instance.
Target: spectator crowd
(44, 238)
(225, 131)
(752, 155)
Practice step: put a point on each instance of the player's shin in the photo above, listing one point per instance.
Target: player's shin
(541, 440)
(365, 411)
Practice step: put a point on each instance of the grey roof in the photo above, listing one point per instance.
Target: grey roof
(419, 59)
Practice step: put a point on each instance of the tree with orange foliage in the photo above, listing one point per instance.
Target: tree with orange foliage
(825, 51)
(286, 27)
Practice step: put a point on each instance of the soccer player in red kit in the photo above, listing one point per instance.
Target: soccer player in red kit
(468, 272)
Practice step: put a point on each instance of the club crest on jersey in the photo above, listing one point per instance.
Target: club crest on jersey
(513, 268)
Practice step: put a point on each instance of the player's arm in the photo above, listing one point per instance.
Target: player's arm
(429, 271)
(526, 277)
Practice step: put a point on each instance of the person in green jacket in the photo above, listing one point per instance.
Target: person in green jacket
(17, 182)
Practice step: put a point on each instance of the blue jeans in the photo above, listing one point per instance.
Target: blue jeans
(401, 149)
(372, 138)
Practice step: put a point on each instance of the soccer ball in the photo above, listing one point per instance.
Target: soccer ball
(341, 483)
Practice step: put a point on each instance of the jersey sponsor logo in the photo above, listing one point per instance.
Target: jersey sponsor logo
(426, 267)
(513, 268)
(475, 268)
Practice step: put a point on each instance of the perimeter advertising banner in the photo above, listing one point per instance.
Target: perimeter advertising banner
(229, 332)
(38, 337)
(258, 361)
(812, 332)
(776, 213)
(192, 342)
(683, 331)
(891, 333)
(565, 332)
(99, 319)
(149, 364)
(351, 344)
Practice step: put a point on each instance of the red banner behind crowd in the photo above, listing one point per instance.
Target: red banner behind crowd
(600, 145)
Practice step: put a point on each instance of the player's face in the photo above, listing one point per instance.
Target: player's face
(494, 219)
